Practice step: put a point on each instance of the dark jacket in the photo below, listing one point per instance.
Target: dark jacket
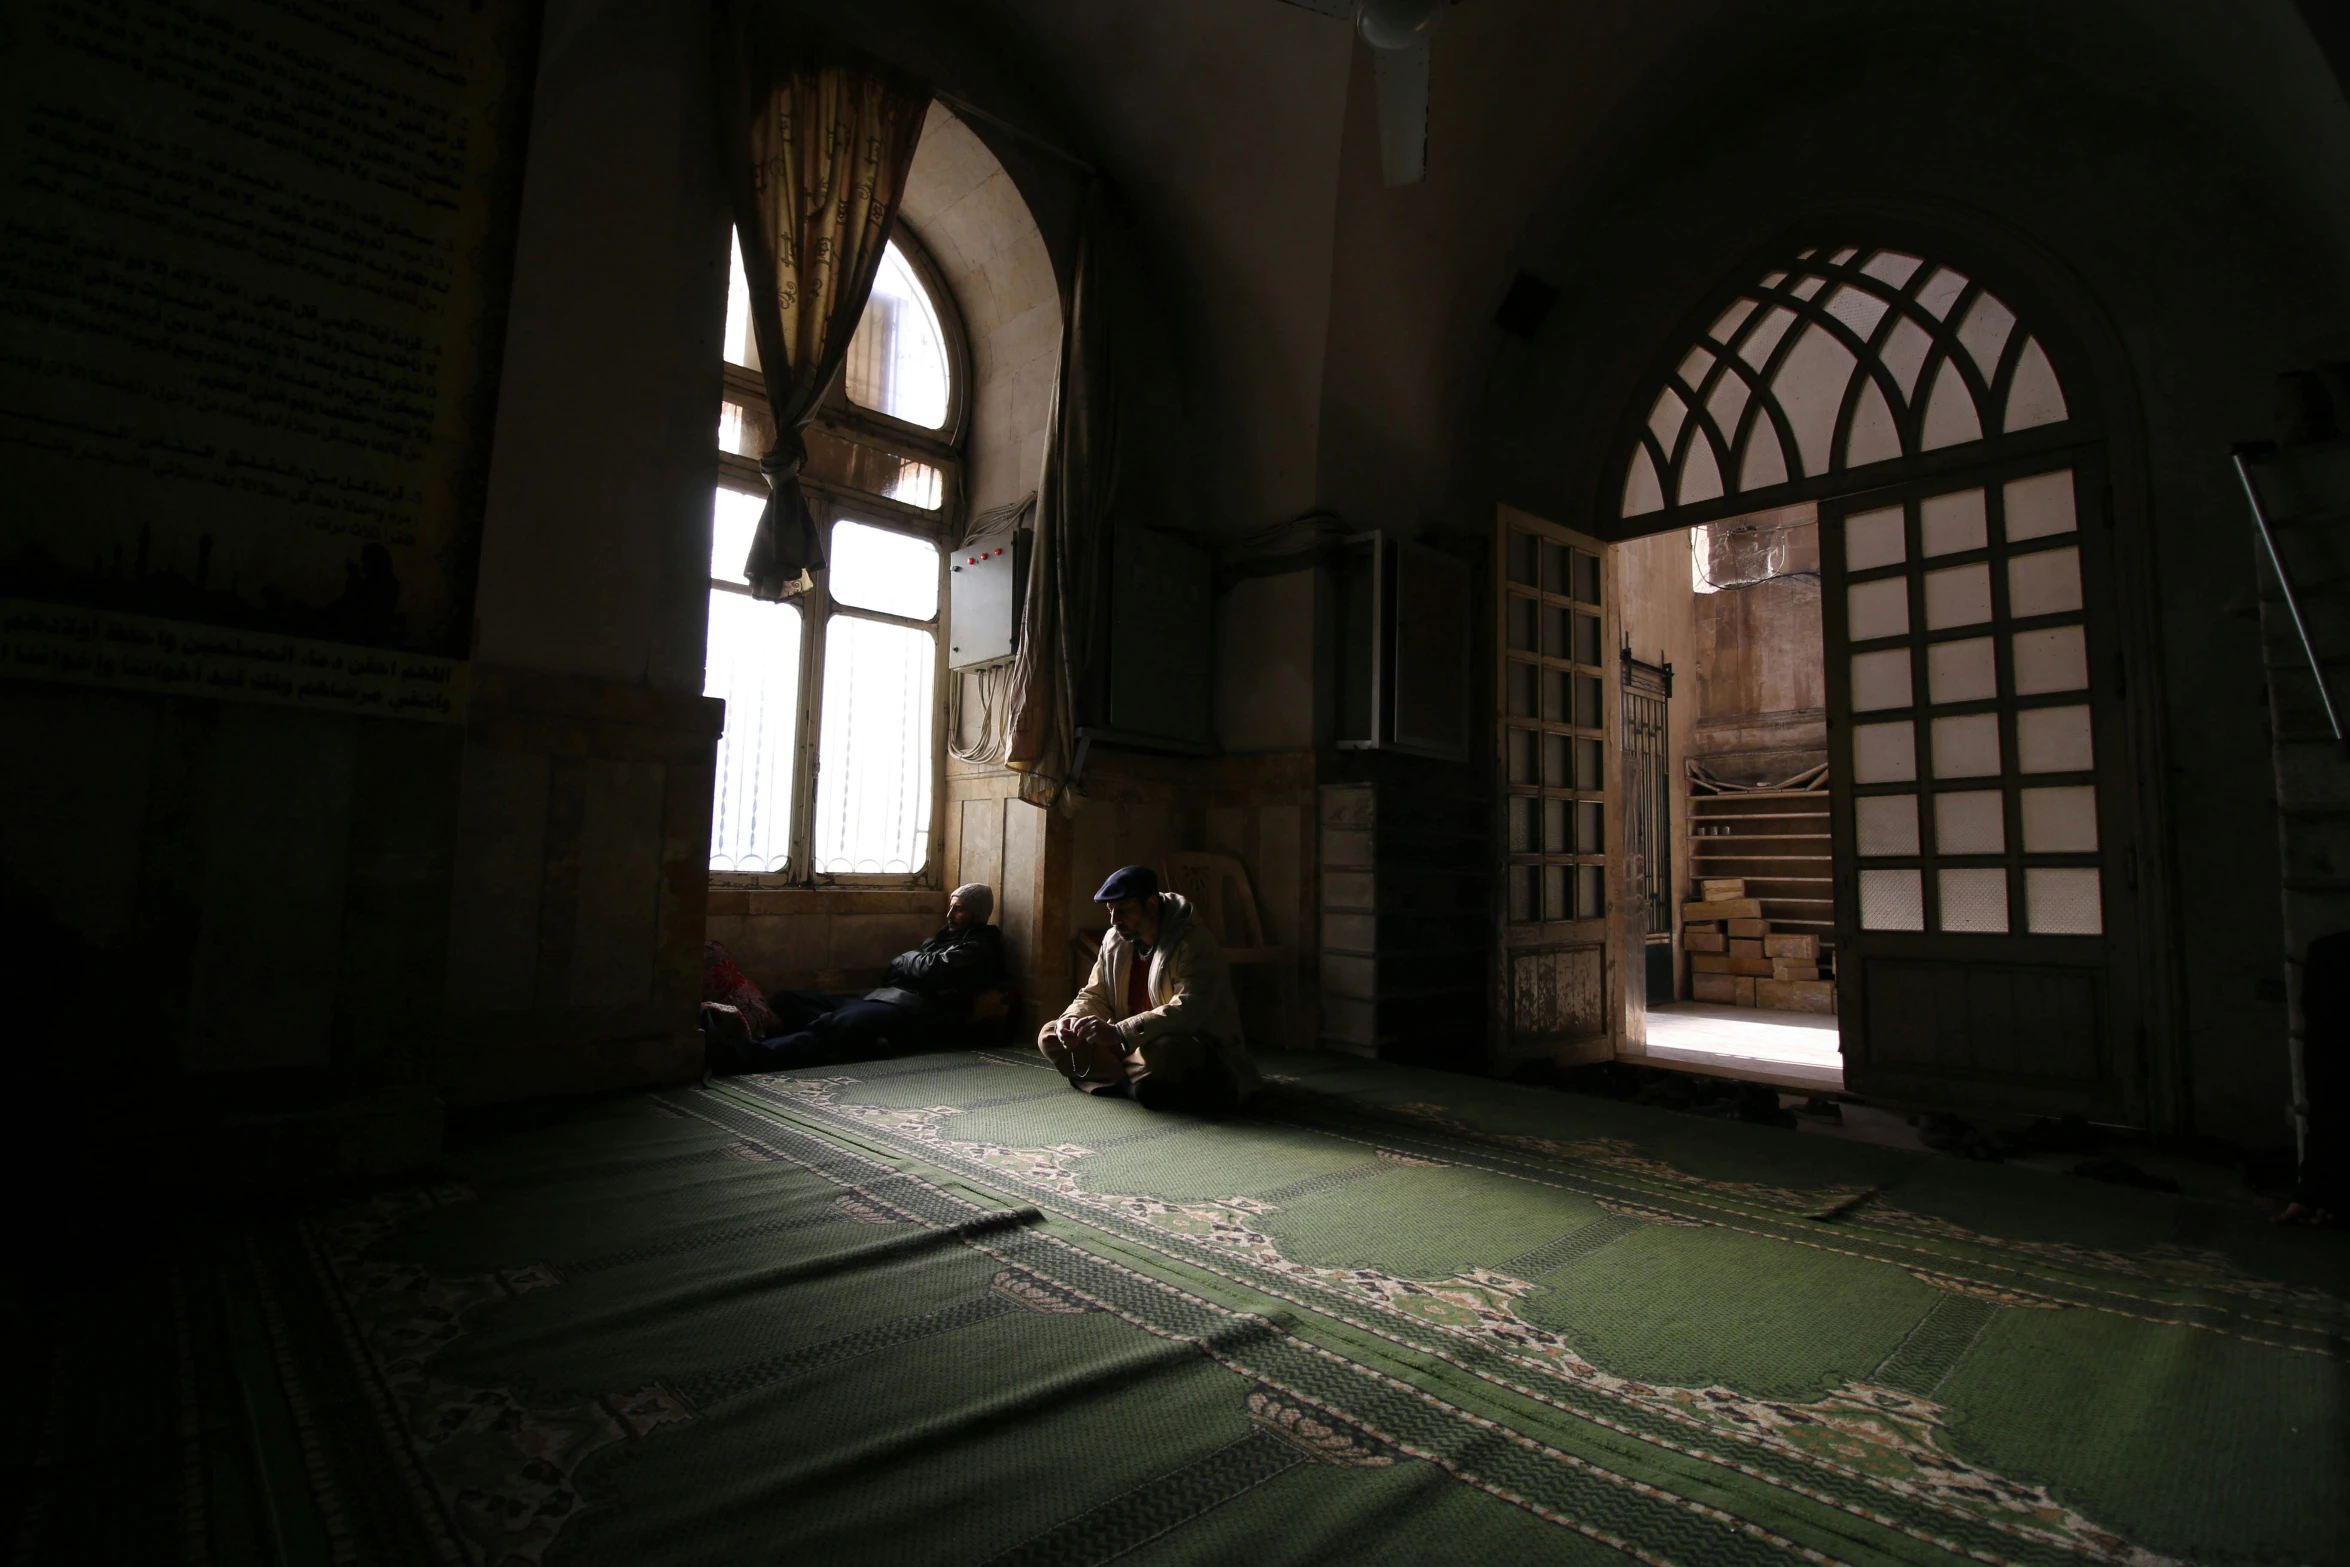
(947, 971)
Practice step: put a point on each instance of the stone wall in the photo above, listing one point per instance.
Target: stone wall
(968, 214)
(1135, 808)
(1759, 681)
(241, 890)
(822, 938)
(576, 908)
(582, 840)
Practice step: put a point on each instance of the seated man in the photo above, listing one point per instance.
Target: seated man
(928, 994)
(1156, 1020)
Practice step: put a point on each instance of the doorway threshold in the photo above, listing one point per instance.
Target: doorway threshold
(1791, 1050)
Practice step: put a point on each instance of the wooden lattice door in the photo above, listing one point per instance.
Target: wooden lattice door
(1558, 979)
(1984, 831)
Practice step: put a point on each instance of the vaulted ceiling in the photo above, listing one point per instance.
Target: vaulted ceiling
(1335, 333)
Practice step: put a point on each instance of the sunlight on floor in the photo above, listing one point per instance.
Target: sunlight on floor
(1771, 1045)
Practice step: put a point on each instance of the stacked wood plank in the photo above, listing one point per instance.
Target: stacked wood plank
(1736, 958)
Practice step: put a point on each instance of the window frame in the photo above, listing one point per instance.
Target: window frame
(1769, 275)
(836, 415)
(947, 440)
(833, 504)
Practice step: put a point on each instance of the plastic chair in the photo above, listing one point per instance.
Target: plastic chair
(1217, 885)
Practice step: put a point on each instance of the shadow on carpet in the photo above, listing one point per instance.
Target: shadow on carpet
(941, 1309)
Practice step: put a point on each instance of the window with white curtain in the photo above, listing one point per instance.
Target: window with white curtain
(828, 763)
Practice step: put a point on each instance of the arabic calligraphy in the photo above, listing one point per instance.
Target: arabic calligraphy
(96, 647)
(251, 288)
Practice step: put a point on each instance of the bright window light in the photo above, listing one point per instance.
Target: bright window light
(898, 359)
(873, 568)
(741, 348)
(869, 726)
(873, 774)
(733, 523)
(753, 665)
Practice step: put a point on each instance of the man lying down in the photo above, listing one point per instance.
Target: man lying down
(1156, 1020)
(923, 1003)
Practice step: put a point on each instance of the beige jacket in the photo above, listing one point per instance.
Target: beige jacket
(1190, 991)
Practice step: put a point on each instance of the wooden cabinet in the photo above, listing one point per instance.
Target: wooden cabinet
(1404, 893)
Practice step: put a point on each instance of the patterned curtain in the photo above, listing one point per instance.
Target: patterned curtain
(818, 151)
(1061, 616)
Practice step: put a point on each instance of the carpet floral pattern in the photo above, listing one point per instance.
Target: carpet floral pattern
(941, 1310)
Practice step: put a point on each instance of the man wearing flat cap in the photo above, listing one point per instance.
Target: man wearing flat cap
(1156, 1020)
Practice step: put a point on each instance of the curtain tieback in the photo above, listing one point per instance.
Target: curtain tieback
(783, 462)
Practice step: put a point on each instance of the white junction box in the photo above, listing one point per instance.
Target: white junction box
(986, 582)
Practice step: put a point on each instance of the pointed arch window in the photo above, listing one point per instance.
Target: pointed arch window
(1839, 361)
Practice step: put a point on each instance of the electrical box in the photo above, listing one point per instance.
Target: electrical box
(987, 582)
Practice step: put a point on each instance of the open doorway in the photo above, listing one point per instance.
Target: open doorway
(1741, 971)
(1861, 512)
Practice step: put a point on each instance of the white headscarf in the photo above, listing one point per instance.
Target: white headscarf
(978, 897)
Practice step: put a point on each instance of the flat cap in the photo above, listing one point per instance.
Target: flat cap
(1135, 881)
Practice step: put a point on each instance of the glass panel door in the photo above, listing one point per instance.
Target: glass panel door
(1975, 777)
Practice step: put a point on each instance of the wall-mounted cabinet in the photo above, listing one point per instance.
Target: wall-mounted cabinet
(1403, 648)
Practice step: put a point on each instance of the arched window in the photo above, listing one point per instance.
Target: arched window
(1838, 361)
(828, 765)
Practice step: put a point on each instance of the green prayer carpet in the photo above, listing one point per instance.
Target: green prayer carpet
(943, 1309)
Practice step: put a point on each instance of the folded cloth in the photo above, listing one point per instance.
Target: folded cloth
(724, 981)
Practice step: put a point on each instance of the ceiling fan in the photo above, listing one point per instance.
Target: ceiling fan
(1399, 33)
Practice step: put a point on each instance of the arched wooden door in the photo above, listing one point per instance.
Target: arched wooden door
(1984, 826)
(1980, 797)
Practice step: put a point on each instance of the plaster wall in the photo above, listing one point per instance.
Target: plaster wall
(1218, 122)
(1521, 90)
(1538, 113)
(963, 201)
(1264, 670)
(596, 537)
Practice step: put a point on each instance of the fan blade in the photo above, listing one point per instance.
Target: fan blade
(1342, 9)
(1403, 112)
